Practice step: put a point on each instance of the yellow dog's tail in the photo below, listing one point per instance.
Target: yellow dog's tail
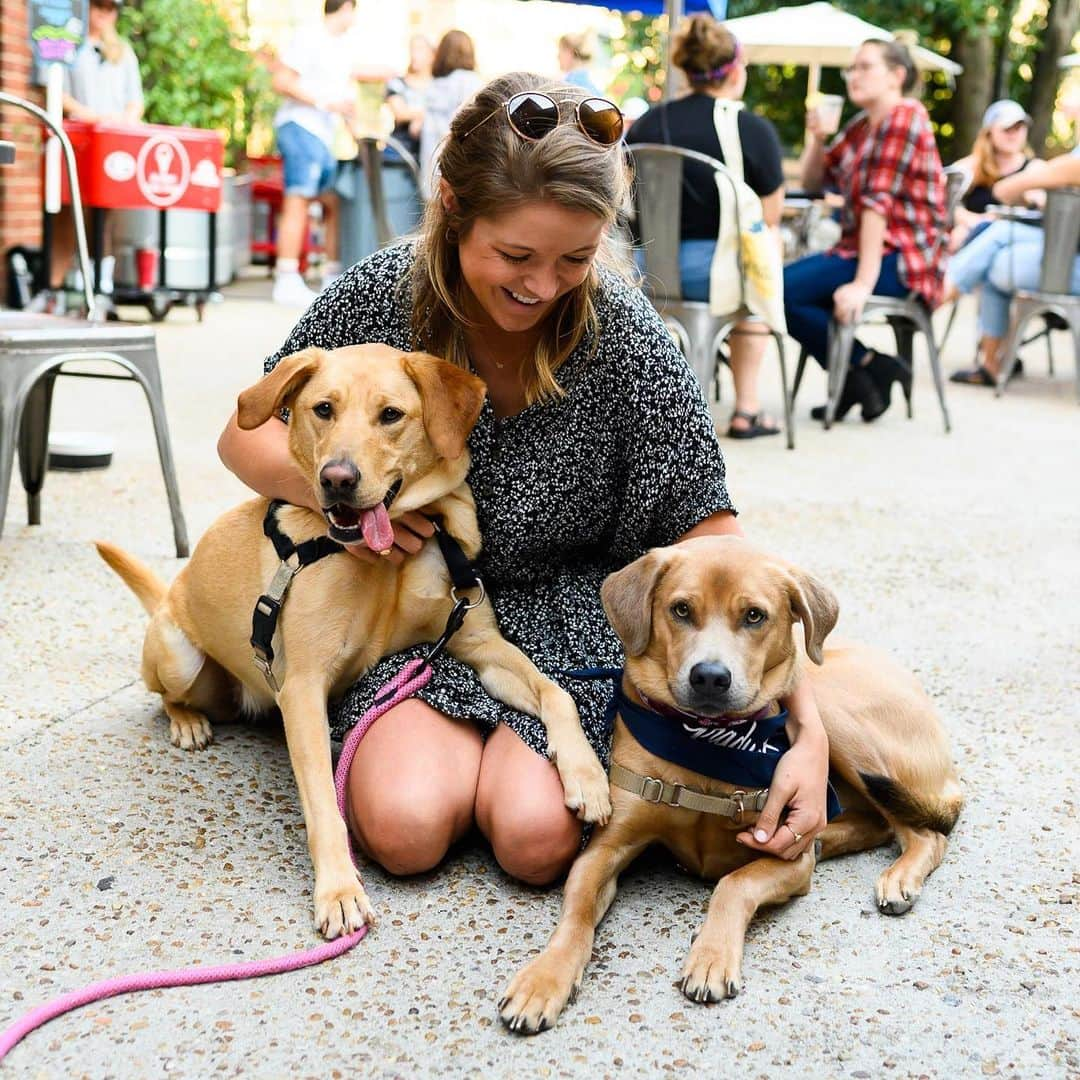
(136, 575)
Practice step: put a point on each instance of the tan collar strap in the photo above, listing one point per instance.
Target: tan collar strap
(654, 790)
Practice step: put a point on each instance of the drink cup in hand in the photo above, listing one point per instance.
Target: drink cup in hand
(823, 113)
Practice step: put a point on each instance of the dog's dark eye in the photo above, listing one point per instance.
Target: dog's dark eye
(755, 617)
(324, 410)
(680, 609)
(390, 415)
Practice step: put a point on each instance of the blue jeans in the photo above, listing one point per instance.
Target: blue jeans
(695, 263)
(308, 164)
(1003, 258)
(809, 285)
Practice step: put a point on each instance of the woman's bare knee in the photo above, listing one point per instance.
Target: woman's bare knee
(520, 809)
(412, 787)
(537, 847)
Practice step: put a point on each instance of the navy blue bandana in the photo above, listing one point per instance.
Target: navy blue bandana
(743, 753)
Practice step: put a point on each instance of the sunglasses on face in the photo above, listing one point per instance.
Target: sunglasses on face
(534, 115)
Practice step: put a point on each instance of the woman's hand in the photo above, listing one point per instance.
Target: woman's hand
(849, 300)
(410, 532)
(799, 786)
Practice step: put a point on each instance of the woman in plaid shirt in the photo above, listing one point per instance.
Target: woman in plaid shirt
(886, 166)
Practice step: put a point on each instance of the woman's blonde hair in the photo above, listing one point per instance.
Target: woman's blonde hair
(985, 171)
(703, 46)
(495, 171)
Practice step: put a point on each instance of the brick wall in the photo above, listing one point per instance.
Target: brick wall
(20, 184)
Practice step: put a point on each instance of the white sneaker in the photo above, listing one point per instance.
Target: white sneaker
(291, 290)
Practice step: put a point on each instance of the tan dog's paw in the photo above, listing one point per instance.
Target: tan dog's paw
(585, 784)
(537, 994)
(896, 895)
(342, 907)
(711, 972)
(191, 731)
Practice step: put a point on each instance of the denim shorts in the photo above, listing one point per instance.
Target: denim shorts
(309, 166)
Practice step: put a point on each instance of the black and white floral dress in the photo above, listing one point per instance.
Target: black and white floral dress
(566, 492)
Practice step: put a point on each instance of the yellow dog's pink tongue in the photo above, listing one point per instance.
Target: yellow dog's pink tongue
(375, 524)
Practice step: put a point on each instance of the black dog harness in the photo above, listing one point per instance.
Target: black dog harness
(294, 557)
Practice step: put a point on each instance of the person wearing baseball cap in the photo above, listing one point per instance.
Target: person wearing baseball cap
(1001, 149)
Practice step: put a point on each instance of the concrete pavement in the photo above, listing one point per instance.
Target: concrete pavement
(119, 852)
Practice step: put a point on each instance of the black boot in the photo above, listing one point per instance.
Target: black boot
(859, 389)
(884, 370)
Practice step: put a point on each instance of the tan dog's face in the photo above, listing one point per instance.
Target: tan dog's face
(377, 430)
(707, 624)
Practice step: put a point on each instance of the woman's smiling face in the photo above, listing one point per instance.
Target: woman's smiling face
(519, 264)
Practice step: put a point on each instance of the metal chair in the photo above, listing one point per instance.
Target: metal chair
(906, 316)
(33, 352)
(369, 153)
(1061, 233)
(658, 184)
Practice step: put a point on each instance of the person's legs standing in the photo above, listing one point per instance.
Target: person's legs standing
(747, 342)
(304, 158)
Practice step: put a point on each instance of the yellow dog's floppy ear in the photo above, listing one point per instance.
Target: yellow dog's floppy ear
(816, 607)
(258, 403)
(451, 400)
(627, 598)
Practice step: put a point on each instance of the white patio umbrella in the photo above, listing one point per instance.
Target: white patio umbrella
(815, 36)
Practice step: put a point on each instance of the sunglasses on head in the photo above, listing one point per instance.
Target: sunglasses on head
(534, 115)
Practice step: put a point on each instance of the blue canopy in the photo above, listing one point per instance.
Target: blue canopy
(658, 7)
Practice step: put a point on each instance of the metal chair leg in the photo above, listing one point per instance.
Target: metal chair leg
(1010, 348)
(789, 412)
(935, 368)
(149, 379)
(34, 443)
(841, 340)
(8, 434)
(1050, 350)
(799, 369)
(1074, 327)
(904, 333)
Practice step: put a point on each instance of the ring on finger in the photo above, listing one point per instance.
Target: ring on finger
(798, 836)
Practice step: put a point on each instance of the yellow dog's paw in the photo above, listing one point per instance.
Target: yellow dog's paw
(342, 908)
(585, 785)
(536, 996)
(711, 973)
(192, 732)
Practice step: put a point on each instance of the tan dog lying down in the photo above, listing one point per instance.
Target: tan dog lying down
(373, 428)
(708, 630)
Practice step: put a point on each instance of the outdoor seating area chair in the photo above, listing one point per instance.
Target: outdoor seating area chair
(34, 350)
(658, 185)
(369, 153)
(906, 316)
(1061, 230)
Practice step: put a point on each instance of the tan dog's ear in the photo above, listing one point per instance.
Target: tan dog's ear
(258, 403)
(451, 400)
(816, 607)
(627, 598)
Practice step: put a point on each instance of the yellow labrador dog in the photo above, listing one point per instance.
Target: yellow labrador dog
(379, 432)
(708, 629)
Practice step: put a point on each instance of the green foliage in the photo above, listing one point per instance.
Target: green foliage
(637, 58)
(196, 69)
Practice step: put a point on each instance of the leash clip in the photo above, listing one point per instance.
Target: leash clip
(737, 798)
(264, 665)
(469, 604)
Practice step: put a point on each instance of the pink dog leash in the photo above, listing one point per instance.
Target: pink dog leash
(412, 677)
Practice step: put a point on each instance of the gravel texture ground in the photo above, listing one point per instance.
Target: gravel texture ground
(118, 853)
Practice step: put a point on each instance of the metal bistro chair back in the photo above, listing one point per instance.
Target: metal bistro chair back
(658, 192)
(1061, 238)
(33, 352)
(369, 153)
(906, 316)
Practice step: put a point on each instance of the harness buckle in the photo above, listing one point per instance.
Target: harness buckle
(738, 797)
(646, 791)
(262, 662)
